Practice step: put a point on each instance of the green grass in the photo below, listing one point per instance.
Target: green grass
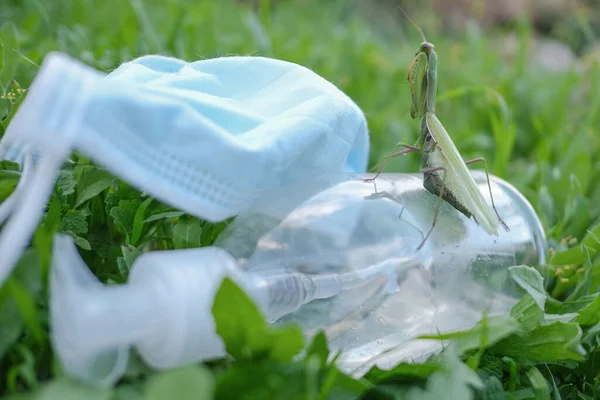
(538, 129)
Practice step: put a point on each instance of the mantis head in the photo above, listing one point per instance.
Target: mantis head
(425, 47)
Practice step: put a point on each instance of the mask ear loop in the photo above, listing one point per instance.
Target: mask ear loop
(26, 174)
(33, 196)
(61, 84)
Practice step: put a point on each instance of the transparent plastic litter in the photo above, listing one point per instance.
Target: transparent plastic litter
(333, 253)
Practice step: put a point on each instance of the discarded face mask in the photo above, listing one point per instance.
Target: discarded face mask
(205, 137)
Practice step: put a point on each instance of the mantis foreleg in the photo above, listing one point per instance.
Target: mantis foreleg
(386, 160)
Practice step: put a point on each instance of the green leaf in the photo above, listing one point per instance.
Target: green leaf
(286, 342)
(584, 396)
(493, 389)
(74, 221)
(538, 383)
(130, 254)
(339, 386)
(27, 272)
(123, 215)
(456, 370)
(491, 331)
(45, 232)
(270, 380)
(454, 381)
(591, 333)
(318, 348)
(553, 342)
(127, 392)
(192, 382)
(264, 380)
(66, 182)
(244, 331)
(23, 371)
(2, 50)
(164, 215)
(530, 280)
(12, 110)
(18, 301)
(53, 216)
(91, 183)
(578, 304)
(584, 283)
(579, 216)
(239, 322)
(403, 372)
(8, 183)
(555, 390)
(210, 232)
(590, 315)
(187, 233)
(138, 221)
(79, 241)
(11, 323)
(122, 191)
(65, 389)
(491, 365)
(550, 318)
(21, 396)
(574, 255)
(122, 267)
(8, 37)
(527, 313)
(592, 236)
(27, 308)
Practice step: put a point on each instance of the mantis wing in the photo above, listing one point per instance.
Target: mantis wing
(458, 178)
(417, 78)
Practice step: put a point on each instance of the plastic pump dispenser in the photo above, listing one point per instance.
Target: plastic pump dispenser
(330, 254)
(164, 309)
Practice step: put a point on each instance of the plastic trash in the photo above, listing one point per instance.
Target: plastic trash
(332, 253)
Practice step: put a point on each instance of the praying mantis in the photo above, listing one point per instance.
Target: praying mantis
(445, 173)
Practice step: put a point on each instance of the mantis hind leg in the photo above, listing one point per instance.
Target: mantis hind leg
(386, 160)
(487, 175)
(439, 202)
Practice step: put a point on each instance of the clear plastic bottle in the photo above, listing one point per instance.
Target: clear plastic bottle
(333, 253)
(367, 235)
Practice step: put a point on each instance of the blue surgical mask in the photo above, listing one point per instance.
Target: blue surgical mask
(205, 137)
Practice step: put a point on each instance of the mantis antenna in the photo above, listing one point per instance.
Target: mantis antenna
(413, 23)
